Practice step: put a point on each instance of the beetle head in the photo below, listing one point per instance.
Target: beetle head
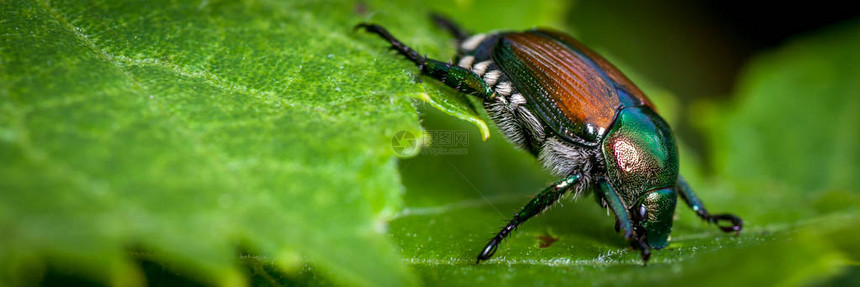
(642, 166)
(653, 213)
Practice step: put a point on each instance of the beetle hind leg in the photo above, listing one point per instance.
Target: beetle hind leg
(396, 45)
(451, 75)
(541, 202)
(736, 224)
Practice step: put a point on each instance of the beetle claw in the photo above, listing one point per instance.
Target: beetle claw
(361, 26)
(489, 250)
(737, 224)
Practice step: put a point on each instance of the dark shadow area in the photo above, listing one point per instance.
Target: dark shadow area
(260, 272)
(60, 277)
(851, 277)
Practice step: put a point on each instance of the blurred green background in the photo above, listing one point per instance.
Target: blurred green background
(250, 143)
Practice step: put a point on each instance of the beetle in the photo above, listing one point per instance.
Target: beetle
(586, 123)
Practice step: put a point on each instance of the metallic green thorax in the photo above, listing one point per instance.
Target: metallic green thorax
(642, 166)
(640, 153)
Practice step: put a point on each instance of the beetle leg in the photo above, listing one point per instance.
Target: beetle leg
(541, 202)
(634, 234)
(696, 204)
(614, 203)
(451, 75)
(452, 28)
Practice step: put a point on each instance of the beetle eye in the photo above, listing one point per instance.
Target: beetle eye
(643, 212)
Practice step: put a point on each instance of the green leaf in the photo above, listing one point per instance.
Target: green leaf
(179, 132)
(182, 134)
(798, 219)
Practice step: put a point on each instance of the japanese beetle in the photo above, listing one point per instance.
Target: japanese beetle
(585, 121)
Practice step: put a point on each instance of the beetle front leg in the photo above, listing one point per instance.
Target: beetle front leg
(451, 75)
(613, 202)
(696, 204)
(541, 202)
(635, 234)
